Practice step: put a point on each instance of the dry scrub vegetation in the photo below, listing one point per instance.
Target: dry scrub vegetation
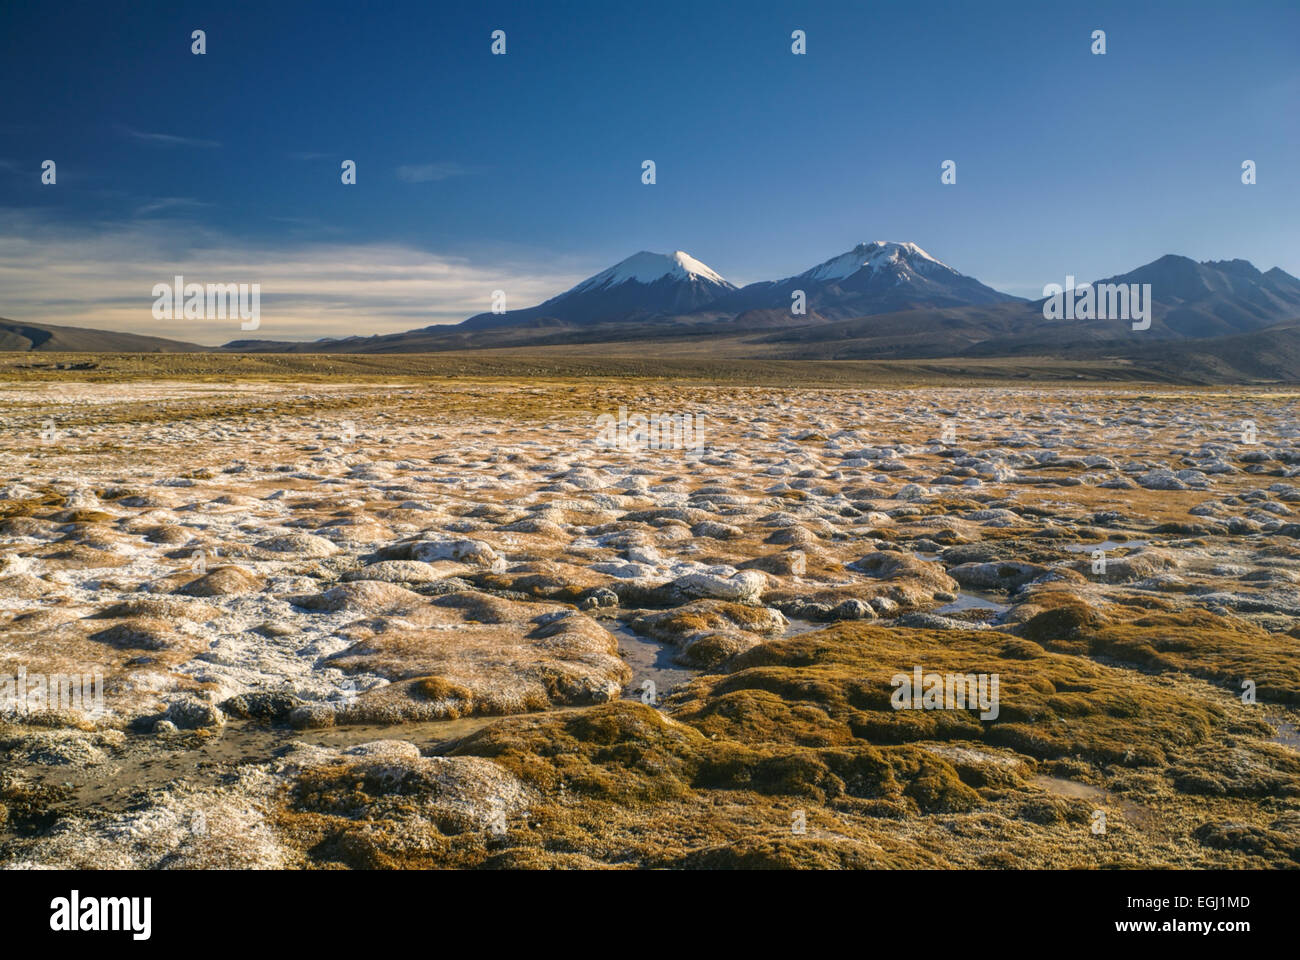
(407, 621)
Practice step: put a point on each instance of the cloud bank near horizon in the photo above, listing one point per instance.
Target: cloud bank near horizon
(103, 278)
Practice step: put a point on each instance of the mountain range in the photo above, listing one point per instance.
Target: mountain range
(884, 298)
(871, 278)
(878, 300)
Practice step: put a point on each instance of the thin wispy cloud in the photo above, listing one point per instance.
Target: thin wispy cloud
(101, 276)
(429, 172)
(165, 139)
(169, 203)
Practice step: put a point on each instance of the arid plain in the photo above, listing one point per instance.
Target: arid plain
(353, 618)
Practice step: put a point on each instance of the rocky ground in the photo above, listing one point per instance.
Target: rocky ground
(438, 624)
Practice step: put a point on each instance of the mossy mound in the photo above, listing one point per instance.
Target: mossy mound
(709, 632)
(26, 806)
(1225, 770)
(633, 755)
(624, 752)
(806, 853)
(1224, 650)
(1277, 845)
(835, 687)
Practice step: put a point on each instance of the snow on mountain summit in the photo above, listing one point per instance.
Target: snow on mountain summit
(647, 267)
(874, 256)
(872, 278)
(645, 286)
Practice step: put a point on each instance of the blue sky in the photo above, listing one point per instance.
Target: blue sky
(523, 172)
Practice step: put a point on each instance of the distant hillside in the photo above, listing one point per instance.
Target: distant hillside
(1272, 354)
(1213, 298)
(47, 337)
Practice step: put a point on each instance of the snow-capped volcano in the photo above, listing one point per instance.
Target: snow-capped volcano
(646, 267)
(904, 259)
(877, 277)
(644, 286)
